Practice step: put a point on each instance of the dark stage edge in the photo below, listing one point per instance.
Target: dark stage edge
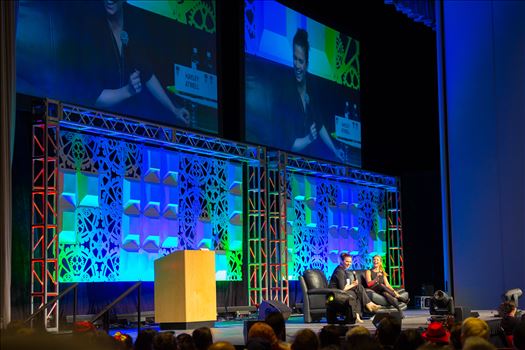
(232, 331)
(185, 325)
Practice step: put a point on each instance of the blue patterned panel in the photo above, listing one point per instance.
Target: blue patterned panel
(348, 219)
(123, 205)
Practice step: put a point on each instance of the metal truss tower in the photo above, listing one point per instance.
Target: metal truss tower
(395, 263)
(277, 250)
(44, 235)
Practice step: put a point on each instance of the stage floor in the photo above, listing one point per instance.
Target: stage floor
(232, 331)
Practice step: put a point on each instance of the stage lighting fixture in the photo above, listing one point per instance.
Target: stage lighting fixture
(441, 304)
(512, 295)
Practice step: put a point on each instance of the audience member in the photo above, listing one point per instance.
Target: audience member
(455, 336)
(43, 341)
(27, 332)
(124, 341)
(202, 338)
(257, 343)
(164, 341)
(264, 331)
(144, 339)
(85, 332)
(185, 342)
(388, 331)
(472, 334)
(474, 327)
(361, 342)
(221, 345)
(357, 330)
(305, 339)
(83, 327)
(430, 346)
(17, 327)
(330, 347)
(507, 310)
(276, 321)
(519, 336)
(409, 339)
(329, 335)
(477, 343)
(437, 334)
(97, 339)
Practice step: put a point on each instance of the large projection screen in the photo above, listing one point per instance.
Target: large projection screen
(153, 60)
(302, 85)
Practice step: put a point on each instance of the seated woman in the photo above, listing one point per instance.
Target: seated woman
(376, 279)
(346, 281)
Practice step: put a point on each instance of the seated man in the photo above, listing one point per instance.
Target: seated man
(507, 311)
(347, 282)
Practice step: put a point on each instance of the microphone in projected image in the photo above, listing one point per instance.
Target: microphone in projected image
(347, 110)
(124, 38)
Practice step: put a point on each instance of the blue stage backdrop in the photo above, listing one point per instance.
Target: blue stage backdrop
(326, 218)
(123, 205)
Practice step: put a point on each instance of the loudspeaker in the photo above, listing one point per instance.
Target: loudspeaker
(461, 313)
(269, 306)
(380, 315)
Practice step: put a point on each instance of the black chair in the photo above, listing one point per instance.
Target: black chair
(315, 292)
(378, 298)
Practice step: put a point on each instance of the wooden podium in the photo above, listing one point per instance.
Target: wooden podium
(185, 292)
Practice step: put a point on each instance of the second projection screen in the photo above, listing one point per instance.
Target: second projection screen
(302, 85)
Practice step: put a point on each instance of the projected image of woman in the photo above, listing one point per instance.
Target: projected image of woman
(312, 127)
(122, 73)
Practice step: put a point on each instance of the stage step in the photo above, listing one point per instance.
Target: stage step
(149, 316)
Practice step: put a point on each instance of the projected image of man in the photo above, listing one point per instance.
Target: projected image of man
(312, 126)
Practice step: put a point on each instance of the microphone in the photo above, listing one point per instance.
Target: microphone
(355, 276)
(124, 38)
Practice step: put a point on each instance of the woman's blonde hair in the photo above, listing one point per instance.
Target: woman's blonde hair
(358, 330)
(381, 268)
(472, 327)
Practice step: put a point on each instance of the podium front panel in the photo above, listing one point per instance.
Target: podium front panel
(185, 289)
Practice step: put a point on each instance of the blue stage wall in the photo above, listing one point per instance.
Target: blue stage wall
(484, 55)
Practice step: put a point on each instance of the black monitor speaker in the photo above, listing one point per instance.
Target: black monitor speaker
(270, 306)
(461, 313)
